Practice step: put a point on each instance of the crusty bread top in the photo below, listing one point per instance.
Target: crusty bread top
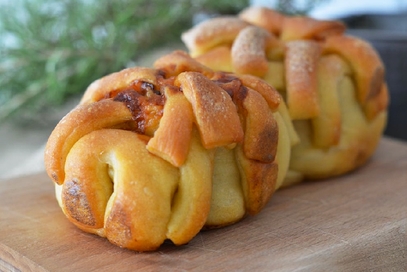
(212, 33)
(268, 19)
(299, 42)
(161, 103)
(135, 161)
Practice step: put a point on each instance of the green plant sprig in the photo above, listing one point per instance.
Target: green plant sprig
(52, 50)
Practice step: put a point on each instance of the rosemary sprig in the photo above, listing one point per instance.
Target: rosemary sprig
(51, 50)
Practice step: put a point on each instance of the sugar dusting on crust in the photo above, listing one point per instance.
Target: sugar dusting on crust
(213, 105)
(263, 17)
(213, 32)
(301, 76)
(251, 41)
(302, 55)
(249, 51)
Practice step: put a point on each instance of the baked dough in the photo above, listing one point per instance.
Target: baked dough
(333, 83)
(159, 153)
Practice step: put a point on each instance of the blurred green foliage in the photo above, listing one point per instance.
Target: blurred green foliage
(51, 50)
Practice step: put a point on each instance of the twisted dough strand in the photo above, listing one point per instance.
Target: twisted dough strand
(314, 66)
(156, 154)
(84, 119)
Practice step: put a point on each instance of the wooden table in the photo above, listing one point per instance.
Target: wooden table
(357, 222)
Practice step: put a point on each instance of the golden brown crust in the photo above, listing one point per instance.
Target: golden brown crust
(250, 57)
(266, 18)
(272, 97)
(261, 130)
(327, 125)
(179, 61)
(257, 193)
(211, 33)
(106, 86)
(135, 161)
(300, 27)
(358, 141)
(214, 110)
(365, 62)
(310, 62)
(171, 139)
(137, 180)
(377, 104)
(79, 122)
(301, 60)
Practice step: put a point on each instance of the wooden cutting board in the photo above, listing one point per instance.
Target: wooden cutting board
(357, 222)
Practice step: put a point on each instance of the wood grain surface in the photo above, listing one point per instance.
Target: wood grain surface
(356, 222)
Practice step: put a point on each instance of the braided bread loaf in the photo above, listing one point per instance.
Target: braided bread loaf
(333, 84)
(156, 154)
